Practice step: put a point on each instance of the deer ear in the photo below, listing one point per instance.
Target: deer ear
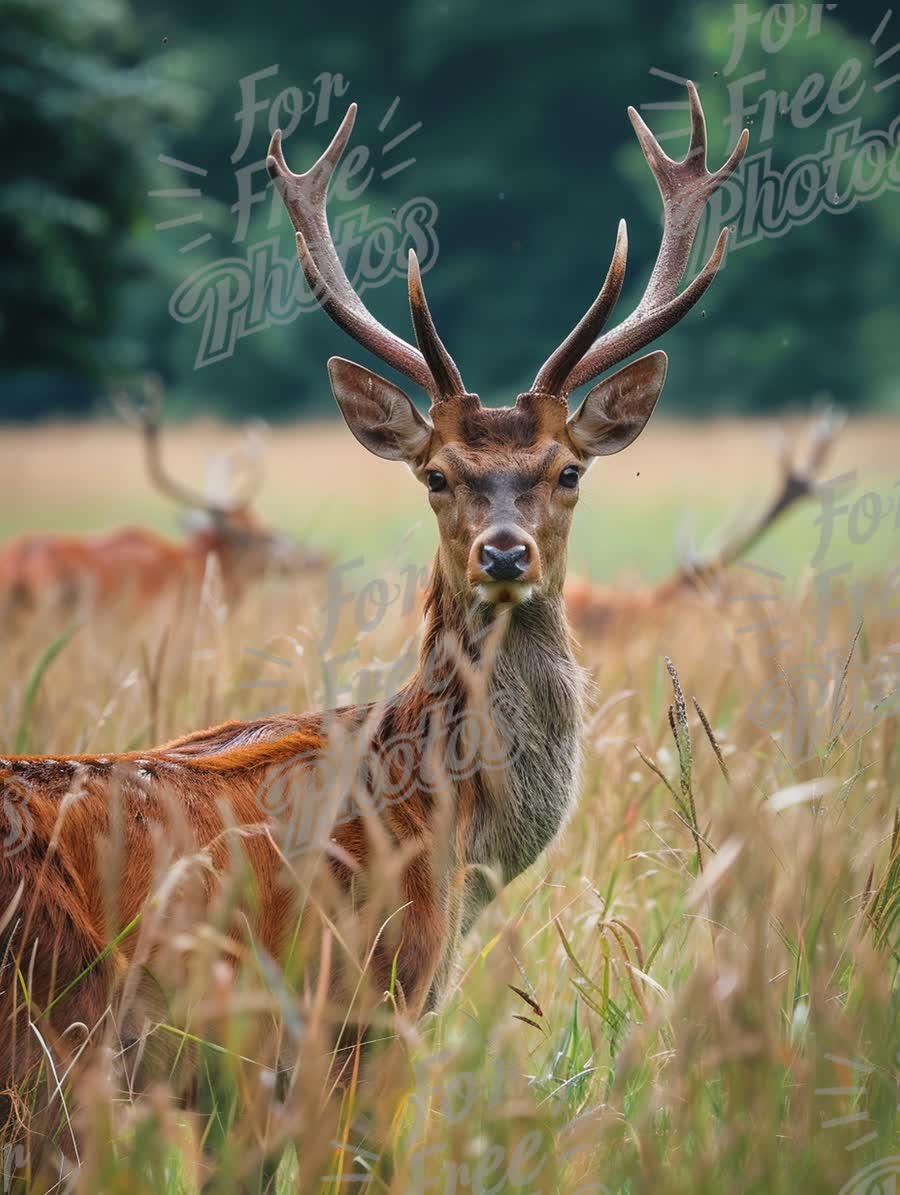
(616, 411)
(379, 414)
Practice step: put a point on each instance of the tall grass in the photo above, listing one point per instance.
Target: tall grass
(695, 991)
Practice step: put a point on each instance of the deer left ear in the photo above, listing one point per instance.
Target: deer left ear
(616, 411)
(379, 414)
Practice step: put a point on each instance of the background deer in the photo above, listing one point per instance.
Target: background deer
(133, 568)
(421, 806)
(599, 609)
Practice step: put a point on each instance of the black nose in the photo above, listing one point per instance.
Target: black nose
(504, 566)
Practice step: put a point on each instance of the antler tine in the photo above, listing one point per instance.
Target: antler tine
(685, 187)
(825, 430)
(305, 197)
(127, 410)
(252, 457)
(698, 143)
(797, 482)
(135, 414)
(153, 397)
(782, 450)
(147, 417)
(553, 373)
(447, 377)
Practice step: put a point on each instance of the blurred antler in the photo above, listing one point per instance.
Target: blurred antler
(248, 462)
(798, 481)
(146, 416)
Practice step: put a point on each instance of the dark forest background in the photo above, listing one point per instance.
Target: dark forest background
(524, 148)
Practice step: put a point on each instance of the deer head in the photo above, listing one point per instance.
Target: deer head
(503, 482)
(223, 522)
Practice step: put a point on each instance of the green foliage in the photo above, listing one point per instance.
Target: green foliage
(524, 147)
(82, 111)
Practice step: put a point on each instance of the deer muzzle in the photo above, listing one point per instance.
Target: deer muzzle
(504, 564)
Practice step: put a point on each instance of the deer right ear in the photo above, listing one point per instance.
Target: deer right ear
(616, 411)
(379, 414)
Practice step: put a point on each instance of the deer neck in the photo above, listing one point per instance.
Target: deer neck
(535, 689)
(538, 625)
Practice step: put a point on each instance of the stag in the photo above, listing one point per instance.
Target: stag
(132, 568)
(600, 609)
(503, 485)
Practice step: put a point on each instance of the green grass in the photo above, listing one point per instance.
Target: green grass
(694, 992)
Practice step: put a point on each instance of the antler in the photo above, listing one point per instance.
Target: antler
(147, 417)
(248, 462)
(798, 481)
(551, 378)
(685, 187)
(305, 196)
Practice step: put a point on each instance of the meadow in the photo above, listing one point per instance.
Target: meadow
(694, 991)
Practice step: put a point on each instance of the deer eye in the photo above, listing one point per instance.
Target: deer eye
(436, 481)
(568, 479)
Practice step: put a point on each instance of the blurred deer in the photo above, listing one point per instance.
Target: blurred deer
(425, 804)
(135, 568)
(598, 609)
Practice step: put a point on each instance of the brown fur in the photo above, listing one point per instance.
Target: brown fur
(607, 610)
(183, 797)
(503, 485)
(134, 569)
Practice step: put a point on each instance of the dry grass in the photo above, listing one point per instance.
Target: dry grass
(706, 963)
(90, 476)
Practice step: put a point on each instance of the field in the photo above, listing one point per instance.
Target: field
(694, 991)
(87, 477)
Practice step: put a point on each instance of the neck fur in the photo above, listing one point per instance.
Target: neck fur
(521, 667)
(478, 628)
